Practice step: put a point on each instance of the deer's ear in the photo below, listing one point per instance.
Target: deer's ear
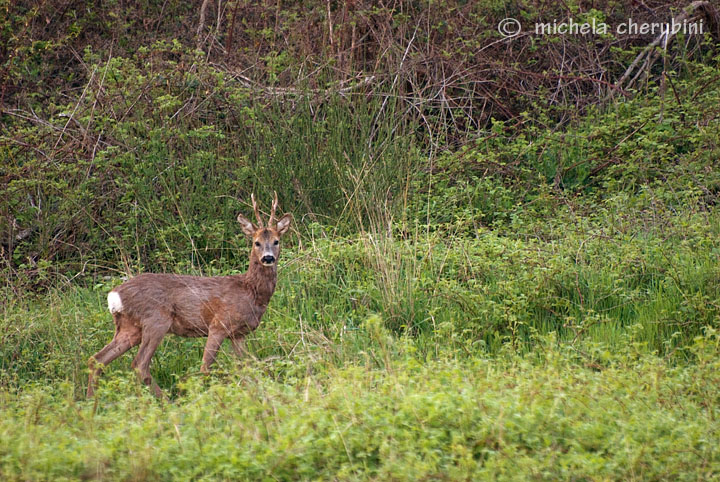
(283, 224)
(247, 227)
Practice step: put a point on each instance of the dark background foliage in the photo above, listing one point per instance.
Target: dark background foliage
(133, 132)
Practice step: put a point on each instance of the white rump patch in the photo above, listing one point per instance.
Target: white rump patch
(114, 302)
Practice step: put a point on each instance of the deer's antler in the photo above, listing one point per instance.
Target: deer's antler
(273, 209)
(257, 211)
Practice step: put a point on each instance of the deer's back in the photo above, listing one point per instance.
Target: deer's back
(193, 303)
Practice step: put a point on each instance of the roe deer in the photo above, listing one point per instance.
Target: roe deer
(149, 306)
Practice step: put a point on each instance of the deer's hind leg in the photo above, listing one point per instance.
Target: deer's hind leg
(153, 331)
(127, 335)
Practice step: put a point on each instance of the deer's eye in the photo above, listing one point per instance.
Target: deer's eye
(276, 242)
(257, 244)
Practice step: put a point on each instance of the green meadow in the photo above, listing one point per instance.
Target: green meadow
(533, 294)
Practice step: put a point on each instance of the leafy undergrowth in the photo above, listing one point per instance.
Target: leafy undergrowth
(590, 279)
(581, 346)
(553, 414)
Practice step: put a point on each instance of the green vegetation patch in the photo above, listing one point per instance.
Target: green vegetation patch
(552, 414)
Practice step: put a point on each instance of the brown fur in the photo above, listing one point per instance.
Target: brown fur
(217, 307)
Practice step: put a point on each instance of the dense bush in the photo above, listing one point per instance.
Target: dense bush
(130, 152)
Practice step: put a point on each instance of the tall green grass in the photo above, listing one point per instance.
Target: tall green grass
(437, 291)
(169, 173)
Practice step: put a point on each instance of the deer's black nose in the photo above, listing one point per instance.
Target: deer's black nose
(267, 259)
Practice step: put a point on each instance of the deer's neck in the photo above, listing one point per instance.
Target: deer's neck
(262, 279)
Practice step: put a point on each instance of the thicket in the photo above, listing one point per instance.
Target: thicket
(132, 134)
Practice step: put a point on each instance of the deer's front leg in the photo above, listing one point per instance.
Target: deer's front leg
(216, 335)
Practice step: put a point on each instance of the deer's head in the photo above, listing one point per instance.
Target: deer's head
(265, 239)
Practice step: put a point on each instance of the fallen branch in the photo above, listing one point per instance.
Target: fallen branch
(291, 91)
(650, 53)
(201, 22)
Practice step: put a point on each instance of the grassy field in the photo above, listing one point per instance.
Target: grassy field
(572, 339)
(550, 415)
(505, 260)
(588, 356)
